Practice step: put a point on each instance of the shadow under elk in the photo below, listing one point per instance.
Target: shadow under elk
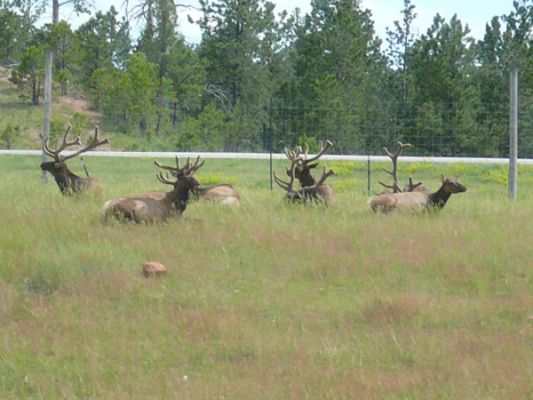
(150, 208)
(66, 180)
(417, 201)
(303, 164)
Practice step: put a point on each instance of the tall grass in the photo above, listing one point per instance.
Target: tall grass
(268, 301)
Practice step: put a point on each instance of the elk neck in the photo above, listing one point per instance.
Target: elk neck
(179, 197)
(439, 198)
(306, 179)
(66, 180)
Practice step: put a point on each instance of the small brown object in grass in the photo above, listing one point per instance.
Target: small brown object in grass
(153, 268)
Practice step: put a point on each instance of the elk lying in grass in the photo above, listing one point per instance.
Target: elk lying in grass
(303, 164)
(223, 193)
(152, 208)
(417, 201)
(304, 194)
(67, 181)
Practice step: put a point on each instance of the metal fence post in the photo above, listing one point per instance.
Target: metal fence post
(513, 134)
(47, 106)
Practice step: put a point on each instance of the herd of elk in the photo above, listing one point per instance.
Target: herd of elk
(67, 181)
(151, 208)
(310, 190)
(157, 206)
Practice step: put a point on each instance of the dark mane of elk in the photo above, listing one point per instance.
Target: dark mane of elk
(67, 181)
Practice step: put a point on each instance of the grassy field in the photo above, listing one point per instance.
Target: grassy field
(268, 301)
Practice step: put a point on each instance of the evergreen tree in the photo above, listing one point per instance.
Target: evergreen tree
(236, 46)
(338, 68)
(104, 43)
(443, 64)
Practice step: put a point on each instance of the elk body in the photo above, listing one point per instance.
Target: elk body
(67, 181)
(156, 206)
(301, 166)
(416, 201)
(223, 193)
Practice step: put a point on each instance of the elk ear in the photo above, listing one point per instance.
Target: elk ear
(314, 165)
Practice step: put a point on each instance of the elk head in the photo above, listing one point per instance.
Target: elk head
(448, 187)
(305, 163)
(451, 186)
(184, 181)
(67, 181)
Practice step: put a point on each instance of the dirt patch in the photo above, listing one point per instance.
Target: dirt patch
(78, 105)
(5, 73)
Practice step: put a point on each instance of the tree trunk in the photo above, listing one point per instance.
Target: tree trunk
(34, 92)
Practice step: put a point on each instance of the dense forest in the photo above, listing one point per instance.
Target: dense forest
(260, 80)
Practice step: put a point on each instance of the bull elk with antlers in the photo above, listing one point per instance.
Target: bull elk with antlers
(67, 181)
(223, 193)
(301, 166)
(416, 201)
(313, 193)
(150, 208)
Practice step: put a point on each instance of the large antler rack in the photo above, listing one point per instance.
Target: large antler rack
(323, 148)
(302, 154)
(325, 175)
(95, 142)
(300, 194)
(55, 153)
(187, 170)
(287, 186)
(394, 173)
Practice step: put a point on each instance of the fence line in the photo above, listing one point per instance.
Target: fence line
(277, 156)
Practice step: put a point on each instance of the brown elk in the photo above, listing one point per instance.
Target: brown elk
(224, 193)
(417, 201)
(67, 181)
(304, 194)
(157, 208)
(302, 172)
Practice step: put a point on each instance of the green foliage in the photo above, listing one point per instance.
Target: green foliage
(342, 169)
(215, 179)
(207, 131)
(8, 134)
(29, 75)
(498, 175)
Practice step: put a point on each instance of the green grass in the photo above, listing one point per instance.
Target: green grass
(268, 301)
